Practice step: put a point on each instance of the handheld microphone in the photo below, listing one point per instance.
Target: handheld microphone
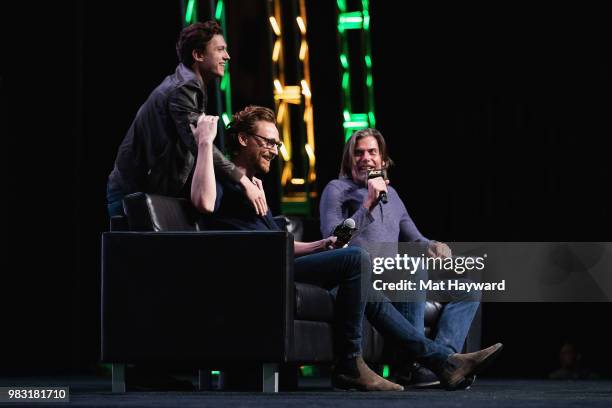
(344, 232)
(372, 174)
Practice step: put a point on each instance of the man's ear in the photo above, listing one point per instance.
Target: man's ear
(198, 55)
(242, 139)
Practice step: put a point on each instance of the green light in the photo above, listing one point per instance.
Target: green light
(307, 371)
(225, 118)
(366, 5)
(189, 13)
(366, 22)
(347, 115)
(372, 119)
(219, 10)
(369, 81)
(355, 125)
(342, 5)
(345, 81)
(359, 117)
(215, 373)
(350, 21)
(347, 134)
(368, 61)
(224, 81)
(343, 61)
(385, 372)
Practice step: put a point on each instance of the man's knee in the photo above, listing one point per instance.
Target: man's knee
(358, 260)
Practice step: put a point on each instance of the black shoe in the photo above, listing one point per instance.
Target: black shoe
(459, 367)
(417, 376)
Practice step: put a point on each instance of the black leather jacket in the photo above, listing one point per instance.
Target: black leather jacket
(158, 152)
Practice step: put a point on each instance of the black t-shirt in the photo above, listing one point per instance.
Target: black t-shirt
(233, 211)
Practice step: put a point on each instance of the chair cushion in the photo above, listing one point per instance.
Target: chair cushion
(150, 212)
(313, 303)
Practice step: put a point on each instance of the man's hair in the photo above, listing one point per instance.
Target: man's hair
(349, 151)
(244, 122)
(195, 37)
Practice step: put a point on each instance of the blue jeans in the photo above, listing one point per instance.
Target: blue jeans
(339, 268)
(410, 337)
(455, 319)
(114, 200)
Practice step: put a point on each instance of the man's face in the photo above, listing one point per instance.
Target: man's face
(366, 157)
(260, 146)
(215, 57)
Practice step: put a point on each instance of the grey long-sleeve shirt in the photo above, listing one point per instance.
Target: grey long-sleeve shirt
(343, 198)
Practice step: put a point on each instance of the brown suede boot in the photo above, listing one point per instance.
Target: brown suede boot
(459, 366)
(363, 379)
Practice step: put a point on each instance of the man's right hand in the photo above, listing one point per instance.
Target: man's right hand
(206, 129)
(255, 193)
(375, 187)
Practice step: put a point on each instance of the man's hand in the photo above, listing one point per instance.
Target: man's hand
(330, 243)
(439, 250)
(206, 129)
(255, 193)
(375, 187)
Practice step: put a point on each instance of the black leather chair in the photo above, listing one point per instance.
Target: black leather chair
(174, 294)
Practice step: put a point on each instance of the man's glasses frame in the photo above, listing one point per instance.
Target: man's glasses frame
(269, 143)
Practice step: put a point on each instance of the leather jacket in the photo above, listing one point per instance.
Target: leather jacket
(157, 155)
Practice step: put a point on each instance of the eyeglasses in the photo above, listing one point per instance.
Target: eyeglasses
(269, 143)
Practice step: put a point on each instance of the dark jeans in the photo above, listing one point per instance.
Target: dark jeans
(341, 268)
(114, 200)
(455, 319)
(409, 337)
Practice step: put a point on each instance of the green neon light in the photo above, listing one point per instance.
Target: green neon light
(356, 125)
(342, 5)
(350, 21)
(366, 22)
(365, 4)
(344, 61)
(307, 371)
(368, 61)
(225, 118)
(345, 81)
(189, 12)
(347, 115)
(385, 372)
(215, 372)
(219, 10)
(372, 119)
(224, 81)
(369, 81)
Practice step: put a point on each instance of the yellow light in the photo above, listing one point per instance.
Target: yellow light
(284, 153)
(276, 51)
(301, 24)
(297, 181)
(278, 86)
(305, 89)
(281, 112)
(310, 154)
(303, 50)
(290, 94)
(275, 26)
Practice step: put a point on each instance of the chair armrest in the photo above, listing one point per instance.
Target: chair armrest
(197, 296)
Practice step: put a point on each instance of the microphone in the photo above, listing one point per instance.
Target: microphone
(372, 174)
(344, 232)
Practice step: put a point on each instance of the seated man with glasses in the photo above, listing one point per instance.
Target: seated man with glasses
(253, 141)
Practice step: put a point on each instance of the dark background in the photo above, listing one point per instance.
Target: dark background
(498, 120)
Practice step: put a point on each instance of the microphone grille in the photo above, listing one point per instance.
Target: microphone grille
(350, 223)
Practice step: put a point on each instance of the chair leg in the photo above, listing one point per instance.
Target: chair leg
(118, 377)
(270, 377)
(204, 380)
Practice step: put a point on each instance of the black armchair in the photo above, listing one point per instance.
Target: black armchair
(174, 294)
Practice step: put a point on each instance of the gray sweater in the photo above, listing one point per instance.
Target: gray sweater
(343, 198)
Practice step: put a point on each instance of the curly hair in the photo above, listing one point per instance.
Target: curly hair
(244, 122)
(195, 37)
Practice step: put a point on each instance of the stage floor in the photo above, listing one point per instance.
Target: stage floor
(94, 392)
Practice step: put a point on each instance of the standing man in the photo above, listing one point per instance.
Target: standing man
(353, 195)
(159, 152)
(253, 143)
